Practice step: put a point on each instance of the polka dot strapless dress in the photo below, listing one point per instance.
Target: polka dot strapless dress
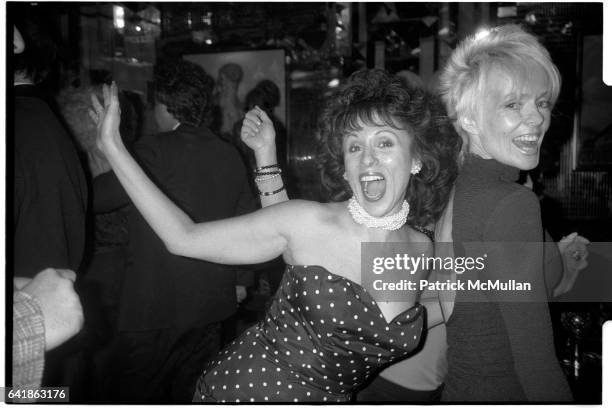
(322, 337)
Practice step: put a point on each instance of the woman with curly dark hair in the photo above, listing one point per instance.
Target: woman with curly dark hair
(324, 334)
(434, 143)
(418, 378)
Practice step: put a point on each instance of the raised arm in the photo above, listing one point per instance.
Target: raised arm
(258, 133)
(251, 238)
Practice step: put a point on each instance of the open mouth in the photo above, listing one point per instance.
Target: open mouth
(528, 144)
(373, 186)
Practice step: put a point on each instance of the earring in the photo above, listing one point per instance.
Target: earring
(344, 176)
(416, 167)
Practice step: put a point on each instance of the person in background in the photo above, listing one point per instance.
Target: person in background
(172, 307)
(103, 273)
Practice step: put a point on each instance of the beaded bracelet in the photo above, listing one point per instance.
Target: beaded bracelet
(260, 179)
(266, 167)
(269, 193)
(267, 173)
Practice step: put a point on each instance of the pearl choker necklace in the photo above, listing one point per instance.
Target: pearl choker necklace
(388, 222)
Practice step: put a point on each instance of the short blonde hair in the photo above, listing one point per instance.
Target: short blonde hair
(508, 47)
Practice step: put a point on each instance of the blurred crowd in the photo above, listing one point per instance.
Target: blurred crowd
(146, 315)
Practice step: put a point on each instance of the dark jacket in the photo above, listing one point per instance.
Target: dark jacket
(205, 177)
(50, 198)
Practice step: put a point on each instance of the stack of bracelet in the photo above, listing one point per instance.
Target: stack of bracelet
(269, 180)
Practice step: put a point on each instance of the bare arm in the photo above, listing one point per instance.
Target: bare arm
(251, 238)
(258, 133)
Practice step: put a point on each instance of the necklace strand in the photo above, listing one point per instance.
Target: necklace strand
(388, 222)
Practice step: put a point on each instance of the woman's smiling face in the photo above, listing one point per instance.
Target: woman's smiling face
(377, 161)
(514, 116)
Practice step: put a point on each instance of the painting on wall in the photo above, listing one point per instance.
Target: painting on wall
(238, 73)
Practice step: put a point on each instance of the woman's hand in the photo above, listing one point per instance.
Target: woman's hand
(574, 252)
(106, 117)
(258, 133)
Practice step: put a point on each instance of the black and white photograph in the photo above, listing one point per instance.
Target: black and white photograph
(306, 202)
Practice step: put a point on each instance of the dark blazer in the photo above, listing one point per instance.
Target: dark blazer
(50, 197)
(206, 178)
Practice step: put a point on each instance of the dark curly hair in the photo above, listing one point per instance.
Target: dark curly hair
(378, 98)
(185, 88)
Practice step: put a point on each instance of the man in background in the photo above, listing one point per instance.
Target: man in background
(172, 308)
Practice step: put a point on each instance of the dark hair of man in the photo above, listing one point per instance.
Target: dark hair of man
(185, 88)
(378, 98)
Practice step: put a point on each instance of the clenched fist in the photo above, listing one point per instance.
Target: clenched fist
(60, 304)
(258, 132)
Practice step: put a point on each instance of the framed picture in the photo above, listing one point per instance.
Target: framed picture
(592, 135)
(255, 65)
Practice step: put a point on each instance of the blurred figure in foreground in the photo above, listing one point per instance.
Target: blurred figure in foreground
(50, 189)
(46, 313)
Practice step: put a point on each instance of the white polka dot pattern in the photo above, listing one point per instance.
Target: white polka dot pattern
(306, 349)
